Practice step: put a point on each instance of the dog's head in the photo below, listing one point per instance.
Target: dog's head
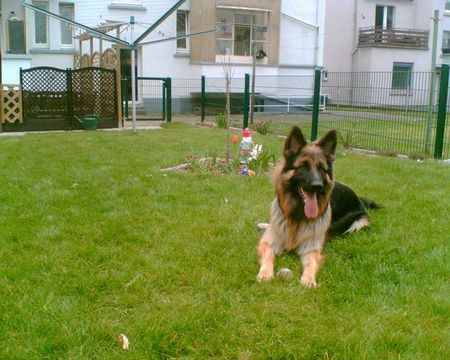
(305, 176)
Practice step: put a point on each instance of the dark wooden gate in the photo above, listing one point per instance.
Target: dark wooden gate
(51, 97)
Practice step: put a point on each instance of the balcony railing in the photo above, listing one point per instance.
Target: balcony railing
(393, 38)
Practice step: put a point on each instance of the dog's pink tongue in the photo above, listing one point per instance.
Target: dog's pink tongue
(311, 208)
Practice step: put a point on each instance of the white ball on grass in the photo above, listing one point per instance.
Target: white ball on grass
(285, 274)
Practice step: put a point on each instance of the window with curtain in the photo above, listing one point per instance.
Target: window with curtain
(384, 17)
(67, 11)
(446, 42)
(182, 29)
(40, 24)
(241, 32)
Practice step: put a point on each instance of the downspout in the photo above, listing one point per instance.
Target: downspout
(316, 50)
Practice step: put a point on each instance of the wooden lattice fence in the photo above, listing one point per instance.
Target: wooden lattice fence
(56, 99)
(11, 104)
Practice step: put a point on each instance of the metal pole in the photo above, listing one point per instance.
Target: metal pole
(432, 82)
(246, 100)
(252, 98)
(133, 75)
(442, 112)
(169, 98)
(203, 98)
(316, 100)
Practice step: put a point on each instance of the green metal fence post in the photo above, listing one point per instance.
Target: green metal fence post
(246, 100)
(203, 99)
(164, 100)
(69, 95)
(169, 99)
(316, 103)
(442, 112)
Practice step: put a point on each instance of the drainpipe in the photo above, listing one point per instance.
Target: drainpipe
(316, 52)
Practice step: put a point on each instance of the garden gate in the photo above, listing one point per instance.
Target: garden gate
(153, 96)
(51, 98)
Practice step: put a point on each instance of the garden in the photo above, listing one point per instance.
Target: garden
(97, 241)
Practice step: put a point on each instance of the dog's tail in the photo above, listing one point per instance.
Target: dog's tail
(370, 204)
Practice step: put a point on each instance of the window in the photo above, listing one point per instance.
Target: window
(447, 5)
(182, 29)
(16, 37)
(127, 2)
(384, 17)
(241, 32)
(67, 11)
(402, 76)
(446, 42)
(40, 24)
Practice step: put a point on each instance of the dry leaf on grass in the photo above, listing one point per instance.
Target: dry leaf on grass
(123, 340)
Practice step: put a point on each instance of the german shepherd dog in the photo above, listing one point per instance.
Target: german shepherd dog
(308, 206)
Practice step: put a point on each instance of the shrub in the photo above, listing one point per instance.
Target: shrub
(222, 121)
(262, 128)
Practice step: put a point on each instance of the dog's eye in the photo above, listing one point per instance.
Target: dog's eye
(304, 166)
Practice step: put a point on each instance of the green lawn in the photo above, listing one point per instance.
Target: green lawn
(95, 240)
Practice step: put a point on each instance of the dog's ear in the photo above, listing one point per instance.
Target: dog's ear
(328, 143)
(295, 142)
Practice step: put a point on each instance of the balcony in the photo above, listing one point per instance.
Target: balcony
(393, 38)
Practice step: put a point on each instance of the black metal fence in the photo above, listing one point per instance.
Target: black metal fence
(151, 94)
(52, 98)
(382, 111)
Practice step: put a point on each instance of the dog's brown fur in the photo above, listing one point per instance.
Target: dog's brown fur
(290, 229)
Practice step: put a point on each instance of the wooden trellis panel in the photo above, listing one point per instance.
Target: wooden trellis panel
(11, 104)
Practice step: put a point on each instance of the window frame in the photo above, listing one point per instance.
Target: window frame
(445, 48)
(23, 48)
(186, 31)
(385, 17)
(409, 71)
(72, 44)
(127, 2)
(236, 12)
(39, 3)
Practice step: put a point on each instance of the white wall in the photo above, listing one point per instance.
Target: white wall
(11, 70)
(339, 35)
(343, 20)
(301, 33)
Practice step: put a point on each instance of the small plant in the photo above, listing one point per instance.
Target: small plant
(418, 156)
(262, 128)
(262, 162)
(386, 152)
(347, 139)
(222, 121)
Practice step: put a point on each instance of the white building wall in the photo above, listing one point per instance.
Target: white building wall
(11, 63)
(54, 53)
(298, 42)
(346, 17)
(301, 35)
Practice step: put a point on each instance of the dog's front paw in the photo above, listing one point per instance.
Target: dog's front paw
(262, 226)
(308, 281)
(264, 275)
